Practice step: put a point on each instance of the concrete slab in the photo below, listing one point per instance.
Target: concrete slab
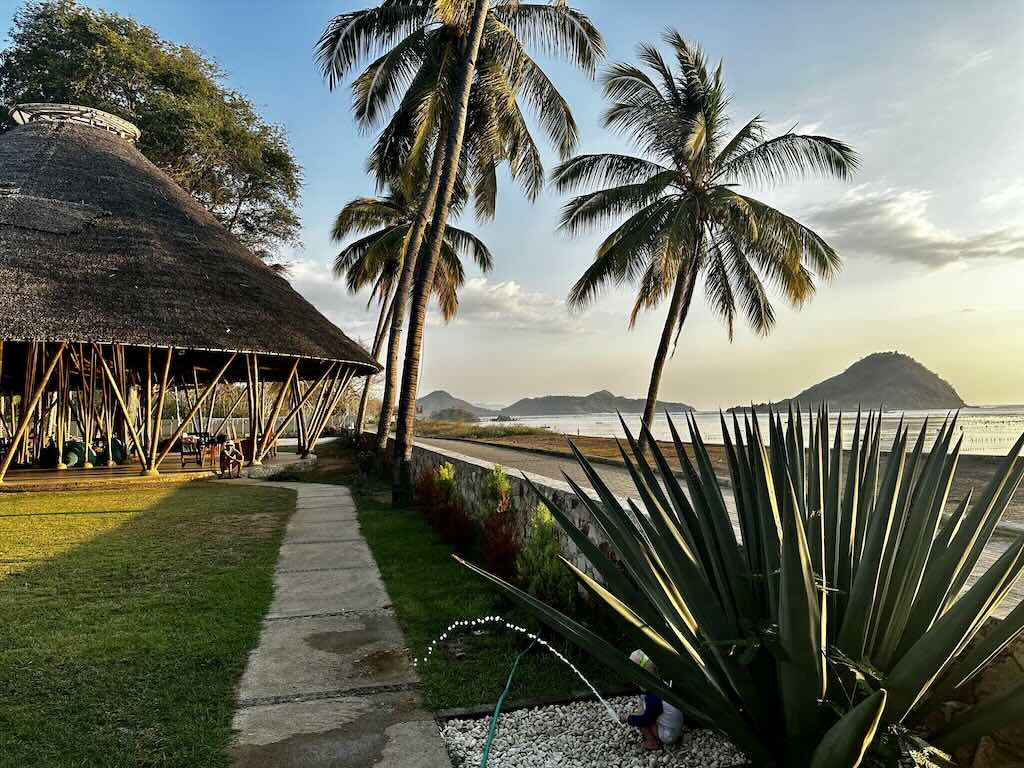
(324, 515)
(318, 592)
(339, 530)
(330, 683)
(384, 731)
(330, 554)
(327, 654)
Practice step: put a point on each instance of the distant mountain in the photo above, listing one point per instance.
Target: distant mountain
(888, 379)
(596, 402)
(439, 400)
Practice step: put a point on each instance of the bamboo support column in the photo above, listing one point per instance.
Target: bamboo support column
(129, 424)
(29, 408)
(180, 430)
(158, 417)
(329, 409)
(268, 432)
(298, 406)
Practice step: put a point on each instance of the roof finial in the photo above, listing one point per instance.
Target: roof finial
(71, 113)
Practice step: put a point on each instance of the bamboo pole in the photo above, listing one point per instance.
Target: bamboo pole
(181, 427)
(302, 401)
(27, 412)
(230, 411)
(160, 407)
(330, 409)
(128, 423)
(61, 403)
(268, 431)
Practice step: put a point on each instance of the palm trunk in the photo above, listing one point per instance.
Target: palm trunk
(383, 325)
(409, 259)
(402, 485)
(679, 307)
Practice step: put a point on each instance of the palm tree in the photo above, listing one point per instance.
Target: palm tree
(457, 70)
(375, 260)
(424, 48)
(498, 68)
(685, 216)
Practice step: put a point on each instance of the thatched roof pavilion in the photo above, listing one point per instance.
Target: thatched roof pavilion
(104, 258)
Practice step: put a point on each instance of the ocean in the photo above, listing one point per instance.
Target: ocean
(990, 431)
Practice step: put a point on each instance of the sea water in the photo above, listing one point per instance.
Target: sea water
(986, 430)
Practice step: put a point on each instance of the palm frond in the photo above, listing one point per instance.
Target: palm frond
(605, 169)
(555, 30)
(792, 155)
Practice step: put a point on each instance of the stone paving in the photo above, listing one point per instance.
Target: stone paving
(330, 683)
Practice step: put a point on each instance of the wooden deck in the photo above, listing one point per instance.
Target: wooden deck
(75, 478)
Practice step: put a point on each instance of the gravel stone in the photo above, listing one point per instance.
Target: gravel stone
(579, 735)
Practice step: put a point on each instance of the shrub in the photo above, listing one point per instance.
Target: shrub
(539, 570)
(737, 623)
(501, 540)
(439, 501)
(428, 496)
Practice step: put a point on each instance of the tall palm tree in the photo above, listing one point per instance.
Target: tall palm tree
(460, 119)
(375, 260)
(498, 68)
(425, 49)
(680, 213)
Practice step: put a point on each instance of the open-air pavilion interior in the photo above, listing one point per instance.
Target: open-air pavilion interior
(135, 330)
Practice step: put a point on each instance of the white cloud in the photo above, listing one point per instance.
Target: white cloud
(508, 305)
(975, 60)
(482, 303)
(1012, 193)
(894, 224)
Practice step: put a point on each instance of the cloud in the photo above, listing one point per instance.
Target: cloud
(315, 282)
(509, 305)
(1012, 193)
(482, 303)
(975, 60)
(894, 224)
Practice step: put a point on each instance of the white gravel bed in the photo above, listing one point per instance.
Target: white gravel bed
(579, 735)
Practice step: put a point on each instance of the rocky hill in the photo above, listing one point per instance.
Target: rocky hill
(596, 402)
(439, 400)
(891, 380)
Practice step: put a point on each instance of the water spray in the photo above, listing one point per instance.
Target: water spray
(532, 636)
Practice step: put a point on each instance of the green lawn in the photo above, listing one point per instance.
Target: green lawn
(429, 590)
(126, 618)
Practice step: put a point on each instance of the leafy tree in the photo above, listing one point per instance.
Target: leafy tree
(209, 139)
(685, 216)
(375, 259)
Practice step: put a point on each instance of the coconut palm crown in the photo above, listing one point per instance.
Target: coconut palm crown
(685, 216)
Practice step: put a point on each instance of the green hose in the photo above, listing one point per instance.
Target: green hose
(497, 707)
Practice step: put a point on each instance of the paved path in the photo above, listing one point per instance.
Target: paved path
(621, 484)
(330, 683)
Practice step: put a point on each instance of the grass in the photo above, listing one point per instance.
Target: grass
(474, 430)
(126, 619)
(429, 591)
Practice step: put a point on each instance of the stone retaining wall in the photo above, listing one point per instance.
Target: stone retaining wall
(470, 475)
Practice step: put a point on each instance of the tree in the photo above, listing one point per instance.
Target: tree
(685, 216)
(375, 259)
(209, 139)
(426, 48)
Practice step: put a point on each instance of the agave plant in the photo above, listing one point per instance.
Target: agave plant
(820, 612)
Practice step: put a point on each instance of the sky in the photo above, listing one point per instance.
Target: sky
(931, 230)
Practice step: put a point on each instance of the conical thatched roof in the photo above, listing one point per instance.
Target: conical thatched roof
(98, 244)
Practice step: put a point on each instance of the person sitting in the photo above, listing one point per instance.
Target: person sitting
(230, 460)
(659, 722)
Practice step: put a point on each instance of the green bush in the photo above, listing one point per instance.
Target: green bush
(539, 569)
(500, 538)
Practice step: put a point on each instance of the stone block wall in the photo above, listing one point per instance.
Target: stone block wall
(471, 474)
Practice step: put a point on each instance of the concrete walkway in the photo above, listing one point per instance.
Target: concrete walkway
(330, 683)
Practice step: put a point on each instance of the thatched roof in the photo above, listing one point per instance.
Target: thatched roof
(98, 244)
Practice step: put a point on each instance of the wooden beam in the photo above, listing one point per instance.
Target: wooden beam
(268, 430)
(137, 444)
(302, 401)
(160, 407)
(330, 409)
(27, 412)
(181, 427)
